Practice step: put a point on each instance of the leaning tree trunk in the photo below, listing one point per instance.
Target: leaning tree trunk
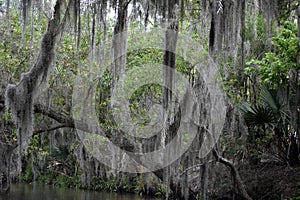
(238, 183)
(20, 98)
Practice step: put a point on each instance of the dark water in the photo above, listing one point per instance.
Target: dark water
(37, 192)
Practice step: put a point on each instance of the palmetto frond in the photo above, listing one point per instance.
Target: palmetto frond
(257, 114)
(269, 99)
(268, 110)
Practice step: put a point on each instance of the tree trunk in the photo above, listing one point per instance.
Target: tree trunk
(212, 33)
(118, 64)
(119, 43)
(169, 65)
(169, 58)
(7, 151)
(243, 31)
(238, 183)
(298, 74)
(176, 187)
(20, 98)
(294, 105)
(297, 110)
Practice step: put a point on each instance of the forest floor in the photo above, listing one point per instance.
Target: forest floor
(271, 181)
(263, 181)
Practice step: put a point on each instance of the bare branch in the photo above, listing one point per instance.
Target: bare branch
(235, 174)
(50, 129)
(194, 166)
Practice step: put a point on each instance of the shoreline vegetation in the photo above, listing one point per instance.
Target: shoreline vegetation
(275, 181)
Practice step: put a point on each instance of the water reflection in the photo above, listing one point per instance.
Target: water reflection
(38, 192)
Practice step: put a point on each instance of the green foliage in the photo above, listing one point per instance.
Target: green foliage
(275, 66)
(67, 181)
(45, 179)
(28, 176)
(267, 110)
(35, 156)
(34, 146)
(15, 54)
(111, 185)
(161, 190)
(127, 186)
(268, 118)
(287, 7)
(140, 186)
(199, 197)
(296, 194)
(268, 121)
(257, 114)
(259, 23)
(261, 27)
(231, 80)
(136, 185)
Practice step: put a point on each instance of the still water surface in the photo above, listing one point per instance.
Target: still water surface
(38, 192)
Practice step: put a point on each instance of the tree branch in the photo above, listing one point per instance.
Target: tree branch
(235, 174)
(127, 3)
(68, 122)
(56, 114)
(194, 166)
(50, 129)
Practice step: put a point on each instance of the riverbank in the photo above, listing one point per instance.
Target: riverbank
(36, 191)
(262, 181)
(143, 185)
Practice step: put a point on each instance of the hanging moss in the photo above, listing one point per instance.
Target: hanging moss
(20, 98)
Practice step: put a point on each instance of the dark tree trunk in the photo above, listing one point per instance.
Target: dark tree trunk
(169, 58)
(294, 104)
(243, 13)
(238, 183)
(212, 28)
(118, 59)
(169, 67)
(119, 43)
(7, 151)
(297, 96)
(176, 187)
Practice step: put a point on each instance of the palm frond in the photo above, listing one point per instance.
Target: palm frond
(279, 109)
(269, 99)
(267, 110)
(257, 114)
